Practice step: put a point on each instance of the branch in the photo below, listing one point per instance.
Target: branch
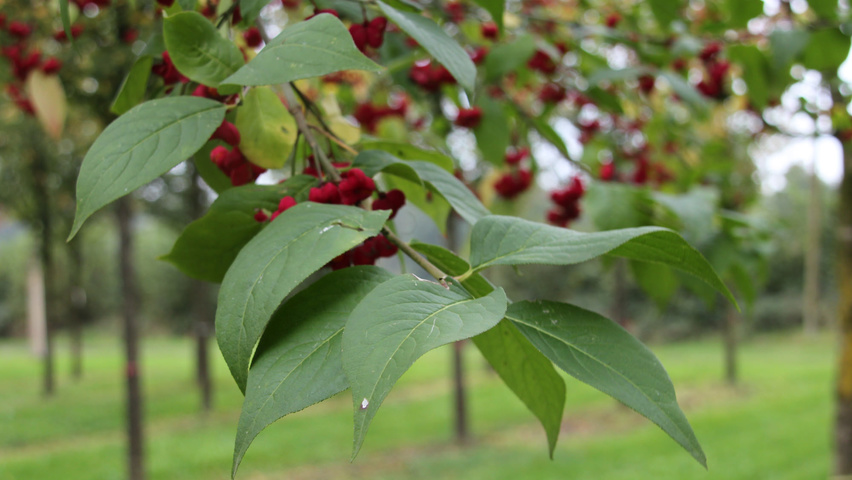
(418, 259)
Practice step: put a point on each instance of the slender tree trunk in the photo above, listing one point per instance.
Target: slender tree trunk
(203, 328)
(200, 304)
(460, 417)
(812, 253)
(459, 395)
(42, 193)
(135, 452)
(731, 341)
(78, 308)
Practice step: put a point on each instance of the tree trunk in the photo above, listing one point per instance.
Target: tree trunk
(200, 303)
(78, 308)
(135, 453)
(460, 421)
(731, 340)
(812, 253)
(42, 193)
(843, 421)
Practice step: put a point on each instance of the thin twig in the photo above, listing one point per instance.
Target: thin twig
(413, 254)
(333, 138)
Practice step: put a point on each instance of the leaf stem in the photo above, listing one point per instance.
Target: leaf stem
(418, 259)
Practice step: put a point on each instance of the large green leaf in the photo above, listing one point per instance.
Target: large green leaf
(599, 352)
(297, 363)
(508, 57)
(398, 322)
(499, 240)
(827, 49)
(522, 368)
(296, 244)
(267, 130)
(208, 246)
(132, 90)
(440, 45)
(312, 48)
(144, 143)
(198, 50)
(492, 133)
(406, 151)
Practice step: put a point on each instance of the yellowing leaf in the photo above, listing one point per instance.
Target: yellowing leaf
(267, 130)
(48, 99)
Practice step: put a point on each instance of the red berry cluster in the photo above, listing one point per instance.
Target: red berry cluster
(469, 117)
(567, 203)
(369, 115)
(232, 162)
(712, 85)
(369, 34)
(518, 179)
(355, 187)
(166, 69)
(23, 59)
(430, 77)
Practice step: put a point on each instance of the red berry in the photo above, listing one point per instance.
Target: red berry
(285, 204)
(489, 30)
(260, 216)
(359, 36)
(252, 37)
(514, 158)
(469, 117)
(376, 31)
(327, 193)
(392, 200)
(607, 171)
(51, 66)
(228, 133)
(355, 186)
(19, 29)
(646, 83)
(613, 19)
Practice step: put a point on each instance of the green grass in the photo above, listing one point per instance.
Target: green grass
(775, 424)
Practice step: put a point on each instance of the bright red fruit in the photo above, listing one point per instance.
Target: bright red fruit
(327, 193)
(392, 200)
(228, 133)
(51, 66)
(469, 117)
(355, 186)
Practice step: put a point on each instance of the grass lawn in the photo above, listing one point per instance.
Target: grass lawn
(774, 425)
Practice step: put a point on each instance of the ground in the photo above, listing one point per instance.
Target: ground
(775, 424)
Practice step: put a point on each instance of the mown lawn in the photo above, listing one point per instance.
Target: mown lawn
(774, 425)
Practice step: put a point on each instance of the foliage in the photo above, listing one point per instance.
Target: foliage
(418, 78)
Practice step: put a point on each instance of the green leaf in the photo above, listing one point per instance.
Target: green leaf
(492, 133)
(825, 9)
(685, 91)
(132, 90)
(526, 372)
(267, 130)
(433, 38)
(208, 246)
(298, 361)
(499, 240)
(617, 205)
(250, 9)
(438, 180)
(786, 46)
(658, 281)
(406, 151)
(612, 75)
(198, 50)
(495, 9)
(599, 352)
(508, 57)
(65, 15)
(666, 11)
(372, 162)
(144, 143)
(756, 72)
(212, 175)
(826, 50)
(395, 324)
(296, 244)
(741, 11)
(312, 48)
